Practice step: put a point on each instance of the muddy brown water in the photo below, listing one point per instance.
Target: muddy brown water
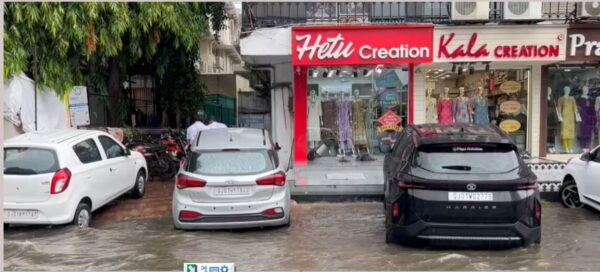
(323, 236)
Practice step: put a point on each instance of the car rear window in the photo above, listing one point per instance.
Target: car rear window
(29, 161)
(467, 158)
(230, 162)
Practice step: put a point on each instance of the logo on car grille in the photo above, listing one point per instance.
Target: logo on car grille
(471, 186)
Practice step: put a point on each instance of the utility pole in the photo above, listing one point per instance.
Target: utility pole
(35, 109)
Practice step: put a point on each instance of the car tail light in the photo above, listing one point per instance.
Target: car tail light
(407, 185)
(60, 181)
(527, 186)
(189, 215)
(537, 212)
(396, 210)
(273, 211)
(277, 179)
(184, 181)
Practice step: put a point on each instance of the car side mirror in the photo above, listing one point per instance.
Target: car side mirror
(586, 156)
(277, 146)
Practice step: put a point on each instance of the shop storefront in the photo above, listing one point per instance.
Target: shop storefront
(571, 97)
(353, 89)
(489, 74)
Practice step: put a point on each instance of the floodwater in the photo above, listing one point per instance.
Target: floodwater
(323, 236)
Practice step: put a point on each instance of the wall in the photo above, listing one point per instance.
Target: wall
(282, 123)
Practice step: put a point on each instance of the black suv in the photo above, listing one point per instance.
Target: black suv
(459, 185)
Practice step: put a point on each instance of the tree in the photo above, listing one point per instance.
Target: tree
(66, 44)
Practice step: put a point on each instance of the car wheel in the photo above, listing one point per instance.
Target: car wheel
(83, 216)
(140, 185)
(569, 195)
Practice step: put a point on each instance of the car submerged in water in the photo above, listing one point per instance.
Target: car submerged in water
(459, 185)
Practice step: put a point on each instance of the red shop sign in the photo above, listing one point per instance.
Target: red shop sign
(389, 119)
(361, 45)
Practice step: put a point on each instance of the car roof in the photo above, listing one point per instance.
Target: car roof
(52, 137)
(239, 138)
(460, 133)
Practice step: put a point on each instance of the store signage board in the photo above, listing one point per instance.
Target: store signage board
(499, 43)
(389, 119)
(510, 125)
(78, 107)
(583, 44)
(509, 87)
(510, 107)
(362, 45)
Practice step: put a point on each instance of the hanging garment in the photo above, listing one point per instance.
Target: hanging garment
(444, 111)
(567, 109)
(359, 129)
(481, 114)
(461, 110)
(588, 121)
(314, 120)
(344, 116)
(431, 115)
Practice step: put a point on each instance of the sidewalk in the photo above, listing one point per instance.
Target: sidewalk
(156, 203)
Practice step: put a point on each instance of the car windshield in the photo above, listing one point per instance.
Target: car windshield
(230, 162)
(29, 161)
(467, 158)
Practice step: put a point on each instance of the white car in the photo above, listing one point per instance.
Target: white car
(231, 179)
(581, 182)
(62, 176)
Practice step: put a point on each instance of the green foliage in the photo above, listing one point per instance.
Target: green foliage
(71, 43)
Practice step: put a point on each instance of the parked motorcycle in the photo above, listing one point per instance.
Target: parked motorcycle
(161, 163)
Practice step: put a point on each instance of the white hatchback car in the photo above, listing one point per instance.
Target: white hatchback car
(231, 179)
(62, 176)
(581, 182)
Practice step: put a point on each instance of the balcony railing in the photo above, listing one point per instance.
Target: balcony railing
(270, 14)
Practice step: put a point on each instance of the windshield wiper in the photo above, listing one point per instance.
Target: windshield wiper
(458, 167)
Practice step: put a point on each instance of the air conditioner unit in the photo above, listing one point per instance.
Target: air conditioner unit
(522, 10)
(589, 9)
(470, 10)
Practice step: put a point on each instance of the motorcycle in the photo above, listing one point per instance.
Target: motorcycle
(161, 164)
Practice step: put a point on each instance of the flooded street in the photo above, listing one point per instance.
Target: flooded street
(332, 236)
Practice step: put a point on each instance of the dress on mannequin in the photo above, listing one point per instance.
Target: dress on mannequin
(588, 121)
(567, 108)
(344, 124)
(481, 115)
(330, 115)
(314, 118)
(431, 115)
(461, 110)
(359, 130)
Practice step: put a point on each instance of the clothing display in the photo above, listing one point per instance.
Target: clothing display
(314, 119)
(567, 108)
(481, 113)
(359, 129)
(344, 116)
(431, 115)
(330, 116)
(588, 121)
(444, 111)
(461, 110)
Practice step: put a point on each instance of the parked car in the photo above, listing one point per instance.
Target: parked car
(581, 182)
(459, 185)
(62, 176)
(231, 178)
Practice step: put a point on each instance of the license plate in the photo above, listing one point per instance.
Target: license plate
(20, 214)
(470, 196)
(232, 190)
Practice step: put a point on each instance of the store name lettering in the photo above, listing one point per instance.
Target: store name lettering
(578, 40)
(472, 50)
(336, 48)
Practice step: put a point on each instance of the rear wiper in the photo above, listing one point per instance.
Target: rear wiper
(458, 167)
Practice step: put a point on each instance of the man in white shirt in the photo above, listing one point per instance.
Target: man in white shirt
(212, 123)
(196, 127)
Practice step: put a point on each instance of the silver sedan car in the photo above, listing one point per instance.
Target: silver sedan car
(231, 179)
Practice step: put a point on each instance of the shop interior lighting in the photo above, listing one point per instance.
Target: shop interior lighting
(567, 70)
(315, 73)
(331, 73)
(379, 69)
(368, 73)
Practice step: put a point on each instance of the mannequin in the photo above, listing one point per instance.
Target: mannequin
(330, 118)
(588, 118)
(480, 103)
(359, 129)
(567, 111)
(315, 113)
(444, 108)
(345, 125)
(430, 108)
(461, 108)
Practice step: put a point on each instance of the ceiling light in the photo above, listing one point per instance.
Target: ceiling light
(379, 69)
(368, 73)
(567, 70)
(315, 73)
(331, 73)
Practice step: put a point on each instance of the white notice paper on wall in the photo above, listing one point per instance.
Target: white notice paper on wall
(78, 107)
